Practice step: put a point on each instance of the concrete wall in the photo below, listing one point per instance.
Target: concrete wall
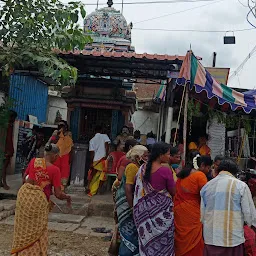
(145, 121)
(56, 103)
(217, 137)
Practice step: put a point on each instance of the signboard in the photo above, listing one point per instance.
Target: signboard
(220, 74)
(33, 119)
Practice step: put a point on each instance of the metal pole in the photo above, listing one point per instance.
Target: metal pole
(169, 103)
(214, 59)
(239, 136)
(159, 124)
(169, 125)
(185, 123)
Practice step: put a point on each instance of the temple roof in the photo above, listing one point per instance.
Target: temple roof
(128, 55)
(108, 23)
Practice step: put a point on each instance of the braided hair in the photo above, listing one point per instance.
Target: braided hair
(195, 164)
(157, 150)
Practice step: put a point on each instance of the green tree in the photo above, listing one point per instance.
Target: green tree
(31, 32)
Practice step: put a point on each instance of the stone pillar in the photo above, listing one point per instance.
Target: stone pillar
(114, 124)
(77, 181)
(75, 122)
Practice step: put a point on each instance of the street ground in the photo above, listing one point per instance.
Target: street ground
(71, 232)
(60, 243)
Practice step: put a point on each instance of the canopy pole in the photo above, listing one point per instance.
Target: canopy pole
(169, 125)
(239, 135)
(185, 124)
(160, 122)
(169, 101)
(181, 106)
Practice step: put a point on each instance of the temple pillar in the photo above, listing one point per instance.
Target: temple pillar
(114, 124)
(78, 167)
(74, 122)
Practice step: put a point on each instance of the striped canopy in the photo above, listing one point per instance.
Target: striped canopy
(161, 94)
(193, 73)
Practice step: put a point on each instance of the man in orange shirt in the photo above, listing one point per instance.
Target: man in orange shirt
(201, 147)
(204, 150)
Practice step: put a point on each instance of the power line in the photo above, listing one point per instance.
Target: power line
(242, 4)
(240, 67)
(251, 11)
(144, 2)
(174, 13)
(153, 2)
(193, 30)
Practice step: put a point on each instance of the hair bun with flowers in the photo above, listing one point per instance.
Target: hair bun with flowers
(195, 165)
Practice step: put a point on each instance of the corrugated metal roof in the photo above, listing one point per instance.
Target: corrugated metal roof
(30, 97)
(146, 90)
(124, 55)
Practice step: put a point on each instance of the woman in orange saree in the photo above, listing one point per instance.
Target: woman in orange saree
(63, 139)
(188, 228)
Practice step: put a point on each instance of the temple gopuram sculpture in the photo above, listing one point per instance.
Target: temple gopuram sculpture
(109, 27)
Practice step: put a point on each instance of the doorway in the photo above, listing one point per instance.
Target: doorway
(91, 117)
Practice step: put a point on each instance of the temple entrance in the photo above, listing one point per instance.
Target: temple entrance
(91, 117)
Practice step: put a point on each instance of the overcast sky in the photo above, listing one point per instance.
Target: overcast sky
(218, 15)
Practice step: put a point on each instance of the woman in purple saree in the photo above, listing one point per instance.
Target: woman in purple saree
(153, 213)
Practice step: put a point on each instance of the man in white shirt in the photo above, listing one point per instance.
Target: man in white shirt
(226, 204)
(99, 149)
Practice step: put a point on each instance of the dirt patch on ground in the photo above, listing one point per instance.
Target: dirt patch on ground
(60, 243)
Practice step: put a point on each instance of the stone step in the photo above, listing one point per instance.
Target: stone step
(99, 205)
(7, 205)
(83, 226)
(99, 208)
(59, 222)
(66, 218)
(75, 198)
(77, 208)
(7, 208)
(8, 221)
(65, 227)
(5, 214)
(90, 223)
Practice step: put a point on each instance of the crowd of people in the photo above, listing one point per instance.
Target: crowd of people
(104, 160)
(33, 147)
(201, 209)
(163, 206)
